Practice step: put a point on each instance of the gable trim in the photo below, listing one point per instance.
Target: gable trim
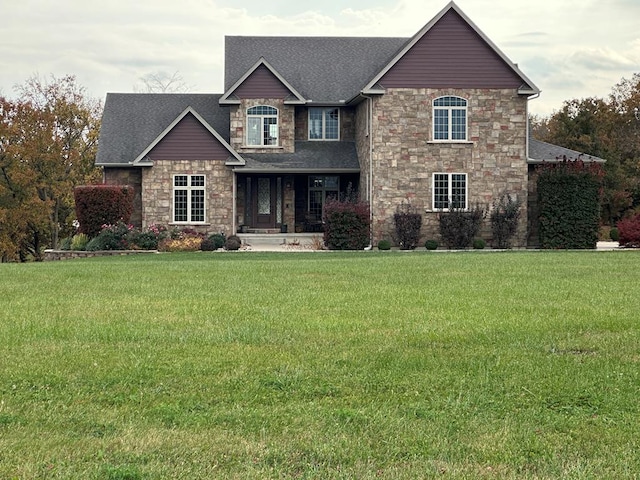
(143, 161)
(373, 88)
(229, 97)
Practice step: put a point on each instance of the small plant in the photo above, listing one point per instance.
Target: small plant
(614, 234)
(233, 242)
(408, 223)
(459, 227)
(317, 243)
(208, 245)
(65, 243)
(384, 245)
(479, 244)
(505, 214)
(79, 241)
(431, 244)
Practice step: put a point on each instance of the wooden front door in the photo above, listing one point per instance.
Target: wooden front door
(264, 202)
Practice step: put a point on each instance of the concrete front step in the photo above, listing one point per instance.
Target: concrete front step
(275, 239)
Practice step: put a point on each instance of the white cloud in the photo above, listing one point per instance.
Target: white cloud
(570, 49)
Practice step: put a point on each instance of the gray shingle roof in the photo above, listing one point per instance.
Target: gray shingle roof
(546, 152)
(322, 69)
(310, 157)
(131, 121)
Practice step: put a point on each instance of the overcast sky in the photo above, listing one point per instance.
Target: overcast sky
(568, 48)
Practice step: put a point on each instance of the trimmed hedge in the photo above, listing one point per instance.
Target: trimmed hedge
(98, 205)
(569, 204)
(346, 224)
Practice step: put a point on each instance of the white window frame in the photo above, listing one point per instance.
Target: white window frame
(190, 189)
(325, 111)
(436, 196)
(265, 141)
(453, 105)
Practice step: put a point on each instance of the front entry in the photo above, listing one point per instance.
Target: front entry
(264, 192)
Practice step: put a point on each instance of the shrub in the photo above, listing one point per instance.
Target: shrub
(65, 244)
(479, 244)
(408, 223)
(218, 240)
(346, 224)
(569, 204)
(79, 242)
(505, 214)
(384, 245)
(431, 245)
(459, 227)
(98, 205)
(181, 240)
(233, 242)
(614, 234)
(629, 231)
(112, 237)
(208, 245)
(146, 239)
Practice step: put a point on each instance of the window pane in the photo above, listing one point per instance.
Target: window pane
(440, 124)
(262, 110)
(331, 182)
(440, 191)
(264, 196)
(197, 206)
(458, 124)
(331, 124)
(459, 190)
(197, 180)
(180, 181)
(253, 131)
(315, 123)
(180, 206)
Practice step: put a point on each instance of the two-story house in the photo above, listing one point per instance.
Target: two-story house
(439, 119)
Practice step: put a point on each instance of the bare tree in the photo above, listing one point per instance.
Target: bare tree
(162, 82)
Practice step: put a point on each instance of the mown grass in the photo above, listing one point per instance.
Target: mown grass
(322, 365)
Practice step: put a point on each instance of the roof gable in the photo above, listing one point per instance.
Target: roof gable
(261, 81)
(450, 51)
(144, 158)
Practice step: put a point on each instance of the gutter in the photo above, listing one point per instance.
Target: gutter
(370, 179)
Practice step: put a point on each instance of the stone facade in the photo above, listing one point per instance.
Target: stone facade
(157, 192)
(405, 157)
(286, 126)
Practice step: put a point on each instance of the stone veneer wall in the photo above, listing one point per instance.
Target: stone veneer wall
(404, 158)
(362, 146)
(158, 192)
(286, 126)
(128, 176)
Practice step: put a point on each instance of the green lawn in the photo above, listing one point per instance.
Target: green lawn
(393, 365)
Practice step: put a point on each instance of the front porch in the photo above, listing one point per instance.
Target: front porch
(275, 204)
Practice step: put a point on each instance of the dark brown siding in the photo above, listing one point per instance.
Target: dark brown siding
(451, 55)
(262, 84)
(189, 140)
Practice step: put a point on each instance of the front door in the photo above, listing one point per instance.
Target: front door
(264, 202)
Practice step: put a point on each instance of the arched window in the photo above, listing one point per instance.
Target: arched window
(262, 126)
(450, 119)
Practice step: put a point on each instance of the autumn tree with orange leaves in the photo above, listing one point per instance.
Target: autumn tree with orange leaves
(48, 143)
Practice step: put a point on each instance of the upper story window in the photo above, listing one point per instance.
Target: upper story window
(450, 119)
(262, 126)
(188, 198)
(324, 123)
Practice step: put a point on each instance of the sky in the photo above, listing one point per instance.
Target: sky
(568, 48)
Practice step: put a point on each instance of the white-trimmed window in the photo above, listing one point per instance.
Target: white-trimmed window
(321, 188)
(450, 119)
(449, 191)
(262, 126)
(324, 123)
(189, 198)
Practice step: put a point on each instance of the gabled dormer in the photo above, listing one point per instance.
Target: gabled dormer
(262, 110)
